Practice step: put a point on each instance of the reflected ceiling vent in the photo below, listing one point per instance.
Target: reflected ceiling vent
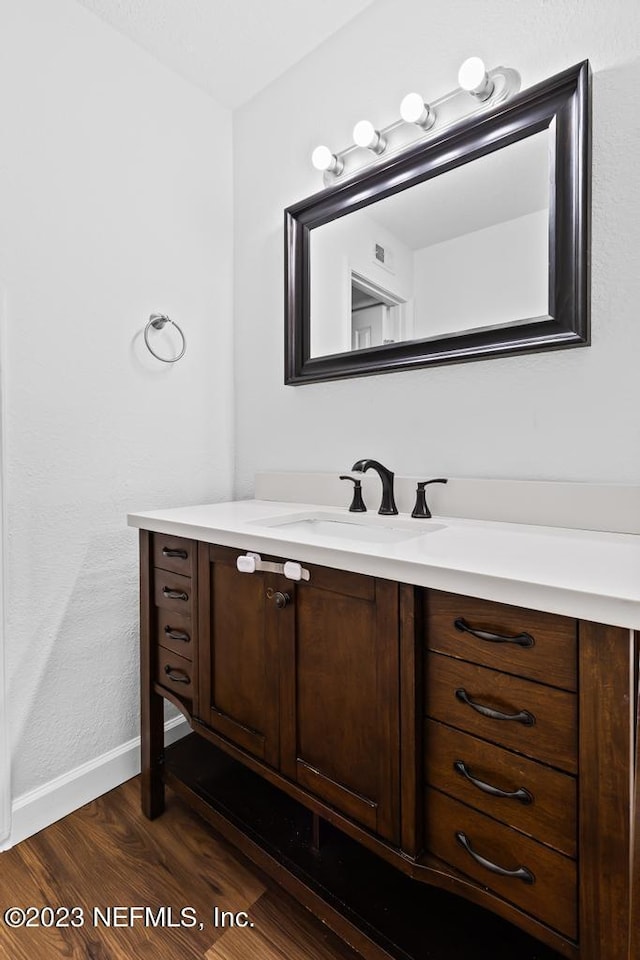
(478, 90)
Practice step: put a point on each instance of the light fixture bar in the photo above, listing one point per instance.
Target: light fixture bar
(479, 90)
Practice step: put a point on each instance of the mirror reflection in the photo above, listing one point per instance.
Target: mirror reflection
(464, 251)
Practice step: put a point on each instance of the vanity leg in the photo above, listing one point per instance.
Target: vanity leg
(152, 756)
(608, 658)
(151, 704)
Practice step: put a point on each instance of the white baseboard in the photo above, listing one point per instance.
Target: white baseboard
(40, 808)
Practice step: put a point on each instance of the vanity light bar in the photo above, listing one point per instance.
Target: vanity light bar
(478, 90)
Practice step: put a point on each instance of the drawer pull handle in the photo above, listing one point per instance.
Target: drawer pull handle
(522, 873)
(178, 554)
(520, 794)
(177, 635)
(521, 639)
(176, 675)
(174, 594)
(523, 716)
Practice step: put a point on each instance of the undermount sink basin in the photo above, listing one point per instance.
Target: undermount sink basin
(371, 529)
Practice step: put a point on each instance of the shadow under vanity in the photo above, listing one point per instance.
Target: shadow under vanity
(365, 740)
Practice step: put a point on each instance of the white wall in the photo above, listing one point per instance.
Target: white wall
(115, 202)
(568, 414)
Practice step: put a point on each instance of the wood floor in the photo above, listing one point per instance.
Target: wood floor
(107, 855)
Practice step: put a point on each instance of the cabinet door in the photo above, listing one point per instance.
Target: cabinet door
(238, 685)
(339, 696)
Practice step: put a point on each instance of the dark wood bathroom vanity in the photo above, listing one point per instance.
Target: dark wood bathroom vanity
(433, 739)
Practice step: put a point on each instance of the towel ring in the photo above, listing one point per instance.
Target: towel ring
(157, 321)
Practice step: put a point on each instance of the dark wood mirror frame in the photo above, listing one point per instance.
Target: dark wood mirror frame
(561, 103)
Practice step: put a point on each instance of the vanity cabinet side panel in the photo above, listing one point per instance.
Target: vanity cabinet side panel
(607, 688)
(238, 675)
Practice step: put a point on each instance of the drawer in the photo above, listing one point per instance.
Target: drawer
(545, 803)
(175, 673)
(539, 646)
(546, 728)
(175, 632)
(172, 592)
(174, 553)
(547, 890)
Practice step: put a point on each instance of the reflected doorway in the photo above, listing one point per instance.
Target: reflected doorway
(378, 316)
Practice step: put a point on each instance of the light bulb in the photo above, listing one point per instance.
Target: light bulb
(413, 109)
(366, 135)
(323, 159)
(472, 77)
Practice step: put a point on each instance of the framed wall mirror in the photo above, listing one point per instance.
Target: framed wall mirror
(470, 245)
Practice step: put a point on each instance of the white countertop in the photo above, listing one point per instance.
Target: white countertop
(579, 573)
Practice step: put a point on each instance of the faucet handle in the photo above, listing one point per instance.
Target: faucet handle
(421, 509)
(357, 504)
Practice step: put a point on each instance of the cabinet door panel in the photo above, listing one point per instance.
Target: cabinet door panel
(340, 732)
(239, 684)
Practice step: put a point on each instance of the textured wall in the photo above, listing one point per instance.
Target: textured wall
(116, 180)
(561, 415)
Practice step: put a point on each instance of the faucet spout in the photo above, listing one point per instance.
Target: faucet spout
(388, 504)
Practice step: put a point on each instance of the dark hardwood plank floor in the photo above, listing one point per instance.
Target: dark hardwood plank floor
(108, 855)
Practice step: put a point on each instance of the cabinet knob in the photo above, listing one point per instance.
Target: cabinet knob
(281, 599)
